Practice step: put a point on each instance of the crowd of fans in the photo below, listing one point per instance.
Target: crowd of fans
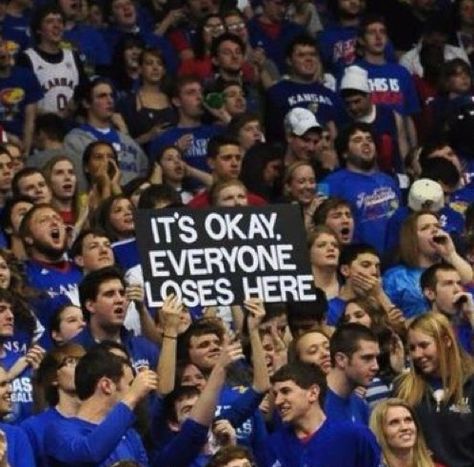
(359, 112)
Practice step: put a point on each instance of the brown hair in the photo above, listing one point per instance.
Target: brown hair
(409, 250)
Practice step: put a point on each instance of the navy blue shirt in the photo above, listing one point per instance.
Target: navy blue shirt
(74, 441)
(141, 351)
(346, 409)
(332, 445)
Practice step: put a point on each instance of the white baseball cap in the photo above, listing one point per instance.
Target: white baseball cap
(355, 78)
(426, 194)
(299, 120)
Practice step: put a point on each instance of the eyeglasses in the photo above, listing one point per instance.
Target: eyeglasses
(214, 28)
(236, 27)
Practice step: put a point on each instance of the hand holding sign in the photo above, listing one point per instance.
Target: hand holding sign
(171, 314)
(256, 313)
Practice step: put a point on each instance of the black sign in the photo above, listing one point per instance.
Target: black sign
(225, 255)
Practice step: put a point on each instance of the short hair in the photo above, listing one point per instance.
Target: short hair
(52, 125)
(227, 36)
(25, 230)
(156, 193)
(178, 394)
(161, 152)
(351, 252)
(39, 15)
(342, 141)
(217, 187)
(25, 172)
(90, 284)
(94, 365)
(46, 374)
(303, 375)
(216, 142)
(76, 248)
(239, 121)
(301, 39)
(322, 211)
(84, 91)
(183, 81)
(346, 339)
(229, 453)
(57, 308)
(198, 328)
(368, 20)
(153, 51)
(428, 279)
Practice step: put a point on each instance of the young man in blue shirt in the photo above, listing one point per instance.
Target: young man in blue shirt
(44, 234)
(443, 289)
(354, 351)
(307, 437)
(104, 299)
(101, 433)
(301, 88)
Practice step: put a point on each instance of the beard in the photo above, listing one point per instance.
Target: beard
(51, 252)
(363, 164)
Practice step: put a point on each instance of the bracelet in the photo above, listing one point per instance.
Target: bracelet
(170, 337)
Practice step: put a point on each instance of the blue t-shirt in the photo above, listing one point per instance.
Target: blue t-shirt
(338, 45)
(402, 285)
(373, 197)
(35, 428)
(74, 441)
(89, 42)
(17, 91)
(275, 48)
(55, 280)
(332, 445)
(336, 308)
(142, 352)
(392, 85)
(19, 452)
(287, 94)
(346, 409)
(126, 253)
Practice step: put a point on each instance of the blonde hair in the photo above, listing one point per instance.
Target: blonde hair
(420, 454)
(290, 171)
(454, 365)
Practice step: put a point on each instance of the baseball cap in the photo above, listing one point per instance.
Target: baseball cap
(355, 78)
(425, 194)
(299, 120)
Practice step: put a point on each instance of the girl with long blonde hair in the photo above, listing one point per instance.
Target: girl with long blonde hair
(440, 387)
(397, 429)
